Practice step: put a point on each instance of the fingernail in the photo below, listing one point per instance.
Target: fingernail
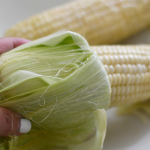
(25, 126)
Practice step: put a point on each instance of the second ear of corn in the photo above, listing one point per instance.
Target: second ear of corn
(99, 21)
(128, 70)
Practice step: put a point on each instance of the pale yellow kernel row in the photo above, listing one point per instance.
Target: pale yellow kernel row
(130, 89)
(126, 69)
(121, 79)
(124, 59)
(119, 50)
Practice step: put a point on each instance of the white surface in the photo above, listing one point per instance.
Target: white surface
(124, 133)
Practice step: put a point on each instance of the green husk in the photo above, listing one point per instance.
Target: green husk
(59, 84)
(4, 145)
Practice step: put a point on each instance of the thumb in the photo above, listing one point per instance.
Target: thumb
(12, 124)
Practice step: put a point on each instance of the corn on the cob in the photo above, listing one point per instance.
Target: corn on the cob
(99, 21)
(70, 89)
(128, 69)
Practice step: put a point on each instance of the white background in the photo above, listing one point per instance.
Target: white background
(124, 132)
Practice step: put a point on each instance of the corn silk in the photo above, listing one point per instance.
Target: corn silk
(60, 85)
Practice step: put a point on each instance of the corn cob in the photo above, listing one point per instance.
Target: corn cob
(99, 21)
(128, 70)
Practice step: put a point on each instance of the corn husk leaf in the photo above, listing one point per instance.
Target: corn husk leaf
(58, 83)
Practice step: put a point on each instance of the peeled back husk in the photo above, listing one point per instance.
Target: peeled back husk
(59, 84)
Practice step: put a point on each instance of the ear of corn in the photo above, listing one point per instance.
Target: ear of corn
(60, 84)
(99, 21)
(128, 70)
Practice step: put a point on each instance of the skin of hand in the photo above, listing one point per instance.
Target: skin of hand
(10, 122)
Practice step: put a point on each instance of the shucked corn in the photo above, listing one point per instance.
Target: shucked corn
(99, 21)
(128, 69)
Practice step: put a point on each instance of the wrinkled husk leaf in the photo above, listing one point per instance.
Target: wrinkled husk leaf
(59, 84)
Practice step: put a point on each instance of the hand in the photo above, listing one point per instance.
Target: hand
(10, 122)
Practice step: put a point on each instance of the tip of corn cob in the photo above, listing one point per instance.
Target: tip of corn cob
(140, 109)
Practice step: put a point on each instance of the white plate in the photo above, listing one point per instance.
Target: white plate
(124, 132)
